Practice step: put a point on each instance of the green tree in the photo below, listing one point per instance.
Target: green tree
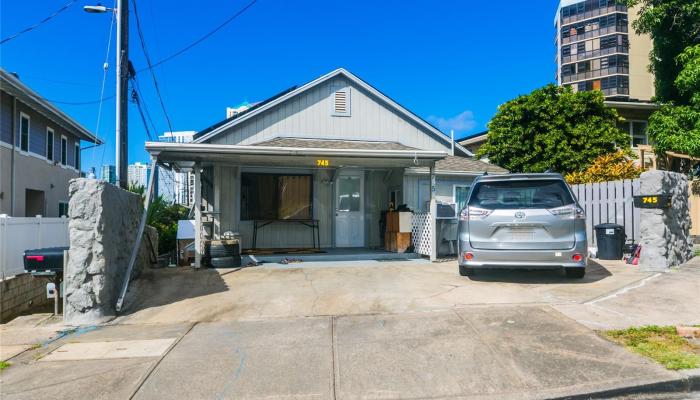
(163, 216)
(554, 129)
(674, 25)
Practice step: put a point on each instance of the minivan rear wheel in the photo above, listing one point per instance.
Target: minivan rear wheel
(575, 273)
(466, 271)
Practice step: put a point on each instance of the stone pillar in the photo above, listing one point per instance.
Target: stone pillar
(104, 221)
(665, 233)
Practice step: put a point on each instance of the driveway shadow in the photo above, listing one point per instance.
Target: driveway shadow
(595, 272)
(157, 287)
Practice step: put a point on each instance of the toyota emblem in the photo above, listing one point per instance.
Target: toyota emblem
(519, 215)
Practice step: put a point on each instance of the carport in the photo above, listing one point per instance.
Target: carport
(326, 167)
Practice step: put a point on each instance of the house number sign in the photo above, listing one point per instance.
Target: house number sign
(652, 201)
(323, 163)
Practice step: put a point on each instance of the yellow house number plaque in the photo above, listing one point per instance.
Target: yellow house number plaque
(322, 163)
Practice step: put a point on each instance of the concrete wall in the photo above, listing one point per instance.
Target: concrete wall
(104, 220)
(20, 293)
(665, 233)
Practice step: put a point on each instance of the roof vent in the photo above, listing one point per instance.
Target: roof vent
(341, 101)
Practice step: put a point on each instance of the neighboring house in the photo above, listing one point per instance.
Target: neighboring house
(334, 153)
(39, 152)
(473, 142)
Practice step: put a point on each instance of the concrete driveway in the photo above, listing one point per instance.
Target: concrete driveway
(359, 287)
(403, 330)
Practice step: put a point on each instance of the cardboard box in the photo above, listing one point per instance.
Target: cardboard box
(397, 242)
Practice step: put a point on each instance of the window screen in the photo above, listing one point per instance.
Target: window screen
(276, 196)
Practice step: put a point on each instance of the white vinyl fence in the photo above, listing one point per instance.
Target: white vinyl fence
(20, 234)
(609, 202)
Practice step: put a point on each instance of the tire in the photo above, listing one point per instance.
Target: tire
(217, 250)
(466, 271)
(575, 273)
(225, 262)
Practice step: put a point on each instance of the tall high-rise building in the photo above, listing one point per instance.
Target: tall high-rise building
(138, 174)
(597, 49)
(175, 186)
(109, 174)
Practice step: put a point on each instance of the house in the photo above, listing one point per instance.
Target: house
(315, 166)
(39, 151)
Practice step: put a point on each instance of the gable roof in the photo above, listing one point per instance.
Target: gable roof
(333, 144)
(12, 85)
(292, 92)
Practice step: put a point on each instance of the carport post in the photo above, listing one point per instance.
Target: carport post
(197, 216)
(433, 214)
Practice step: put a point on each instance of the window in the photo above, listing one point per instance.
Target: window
(63, 208)
(638, 133)
(460, 197)
(24, 132)
(76, 155)
(340, 98)
(64, 150)
(521, 194)
(276, 196)
(49, 144)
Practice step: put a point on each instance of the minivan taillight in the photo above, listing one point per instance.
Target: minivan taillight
(474, 213)
(572, 211)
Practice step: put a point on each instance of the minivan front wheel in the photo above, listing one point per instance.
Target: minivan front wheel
(466, 271)
(576, 272)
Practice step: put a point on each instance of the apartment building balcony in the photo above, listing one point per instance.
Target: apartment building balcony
(594, 74)
(595, 33)
(594, 53)
(593, 13)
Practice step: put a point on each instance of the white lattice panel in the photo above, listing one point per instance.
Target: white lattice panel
(421, 234)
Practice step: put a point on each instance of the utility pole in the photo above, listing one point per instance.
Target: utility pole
(122, 144)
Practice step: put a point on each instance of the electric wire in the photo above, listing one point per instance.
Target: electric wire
(148, 61)
(201, 39)
(43, 21)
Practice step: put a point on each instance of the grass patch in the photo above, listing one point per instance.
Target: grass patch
(660, 343)
(3, 365)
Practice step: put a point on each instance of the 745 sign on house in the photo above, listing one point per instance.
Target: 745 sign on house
(323, 163)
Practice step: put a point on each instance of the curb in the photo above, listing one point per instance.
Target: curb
(688, 382)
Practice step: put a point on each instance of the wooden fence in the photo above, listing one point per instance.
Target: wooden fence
(610, 202)
(695, 215)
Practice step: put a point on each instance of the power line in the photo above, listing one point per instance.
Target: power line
(200, 40)
(43, 21)
(137, 88)
(80, 103)
(150, 66)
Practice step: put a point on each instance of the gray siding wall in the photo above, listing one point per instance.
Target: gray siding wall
(418, 187)
(276, 235)
(310, 115)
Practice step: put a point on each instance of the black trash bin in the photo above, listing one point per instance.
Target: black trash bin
(611, 240)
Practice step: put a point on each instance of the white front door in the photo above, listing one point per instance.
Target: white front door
(349, 209)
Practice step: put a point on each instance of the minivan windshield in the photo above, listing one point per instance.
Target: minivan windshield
(513, 194)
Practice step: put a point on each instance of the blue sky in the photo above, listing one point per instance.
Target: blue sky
(451, 62)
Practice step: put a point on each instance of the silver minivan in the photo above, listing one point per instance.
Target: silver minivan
(522, 221)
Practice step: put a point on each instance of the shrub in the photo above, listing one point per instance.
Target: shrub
(608, 167)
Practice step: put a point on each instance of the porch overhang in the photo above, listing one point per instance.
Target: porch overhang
(184, 155)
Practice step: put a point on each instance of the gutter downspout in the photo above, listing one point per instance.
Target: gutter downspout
(452, 141)
(14, 150)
